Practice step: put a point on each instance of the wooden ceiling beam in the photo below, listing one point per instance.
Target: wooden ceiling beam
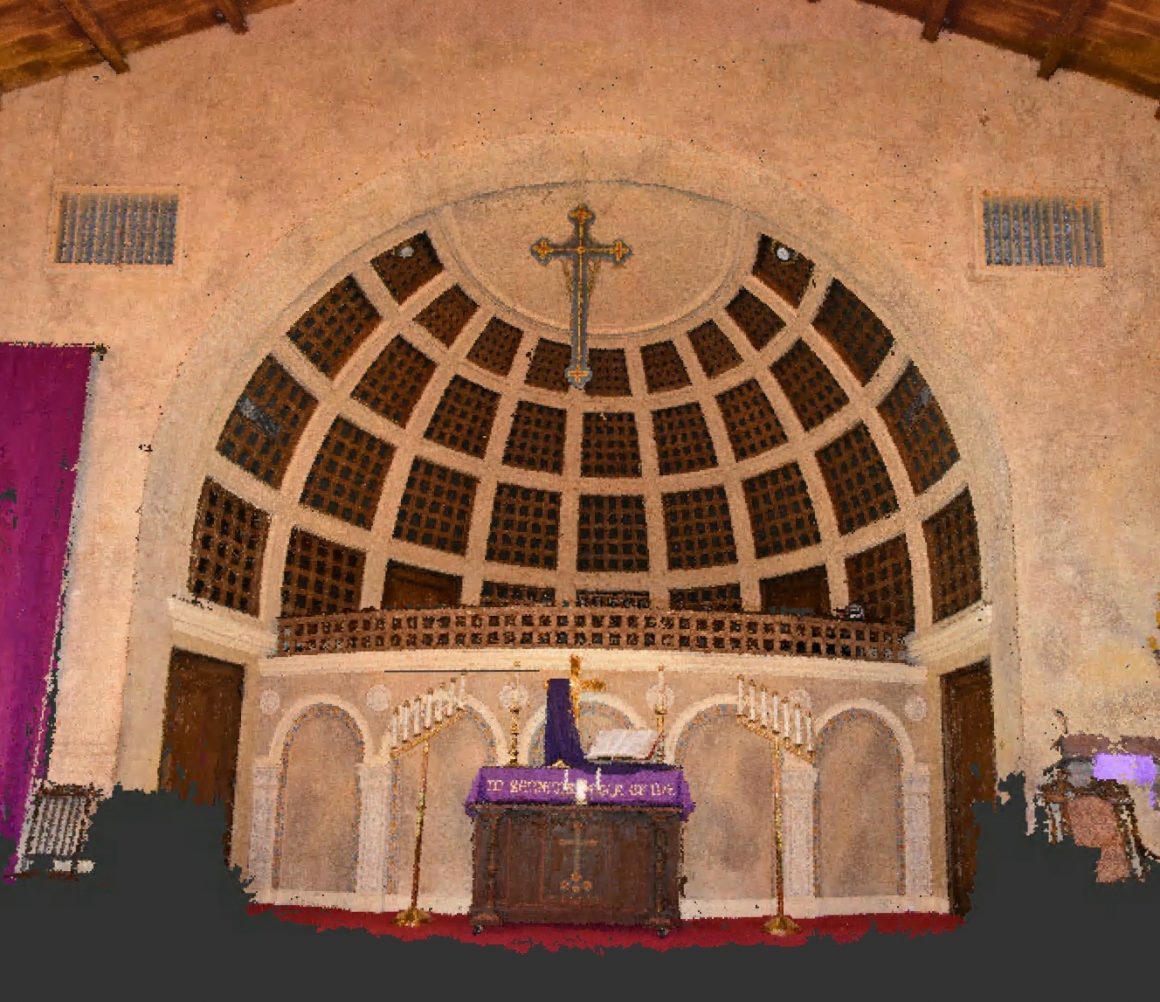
(1063, 37)
(231, 10)
(936, 12)
(84, 18)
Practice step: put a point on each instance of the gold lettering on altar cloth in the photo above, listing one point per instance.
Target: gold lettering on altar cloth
(606, 790)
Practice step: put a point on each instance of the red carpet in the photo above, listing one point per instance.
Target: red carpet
(696, 932)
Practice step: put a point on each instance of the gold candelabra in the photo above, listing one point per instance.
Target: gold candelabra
(412, 725)
(788, 728)
(513, 697)
(660, 697)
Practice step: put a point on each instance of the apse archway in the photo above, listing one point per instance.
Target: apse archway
(835, 405)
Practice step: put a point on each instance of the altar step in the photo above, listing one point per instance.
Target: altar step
(695, 932)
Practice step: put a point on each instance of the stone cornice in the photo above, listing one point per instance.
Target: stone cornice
(961, 640)
(223, 629)
(556, 660)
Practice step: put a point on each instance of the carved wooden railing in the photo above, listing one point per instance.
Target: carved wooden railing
(474, 628)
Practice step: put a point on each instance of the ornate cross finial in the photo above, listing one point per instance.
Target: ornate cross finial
(583, 257)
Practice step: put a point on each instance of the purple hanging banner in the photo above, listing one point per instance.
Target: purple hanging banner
(42, 412)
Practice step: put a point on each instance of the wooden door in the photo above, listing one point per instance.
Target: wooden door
(203, 717)
(803, 593)
(969, 770)
(407, 587)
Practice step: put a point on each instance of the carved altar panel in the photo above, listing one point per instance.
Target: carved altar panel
(576, 864)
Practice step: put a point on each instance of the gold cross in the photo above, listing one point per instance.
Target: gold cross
(576, 685)
(576, 882)
(581, 255)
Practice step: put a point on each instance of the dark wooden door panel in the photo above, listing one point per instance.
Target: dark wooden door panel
(203, 717)
(407, 587)
(969, 771)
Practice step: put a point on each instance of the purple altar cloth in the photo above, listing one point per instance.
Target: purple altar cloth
(517, 785)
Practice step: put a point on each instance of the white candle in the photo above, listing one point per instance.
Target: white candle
(462, 690)
(809, 732)
(428, 707)
(775, 714)
(394, 727)
(785, 718)
(740, 695)
(598, 777)
(764, 707)
(581, 791)
(797, 725)
(752, 700)
(416, 715)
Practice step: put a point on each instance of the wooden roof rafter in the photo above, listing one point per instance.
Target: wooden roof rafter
(232, 12)
(934, 19)
(96, 32)
(1063, 37)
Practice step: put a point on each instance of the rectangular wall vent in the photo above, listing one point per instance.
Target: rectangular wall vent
(1033, 232)
(116, 228)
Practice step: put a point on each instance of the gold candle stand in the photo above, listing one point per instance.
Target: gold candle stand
(781, 737)
(414, 915)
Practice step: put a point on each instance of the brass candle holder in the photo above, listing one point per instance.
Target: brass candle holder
(660, 697)
(413, 724)
(788, 728)
(513, 697)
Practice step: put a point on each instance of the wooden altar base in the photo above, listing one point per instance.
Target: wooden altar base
(576, 864)
(690, 932)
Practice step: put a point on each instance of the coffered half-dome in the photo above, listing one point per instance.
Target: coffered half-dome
(754, 433)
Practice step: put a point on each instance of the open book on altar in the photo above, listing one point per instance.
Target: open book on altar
(632, 744)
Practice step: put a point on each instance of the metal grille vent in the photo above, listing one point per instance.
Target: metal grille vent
(1043, 232)
(111, 228)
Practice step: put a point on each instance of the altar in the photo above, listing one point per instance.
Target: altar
(541, 856)
(578, 841)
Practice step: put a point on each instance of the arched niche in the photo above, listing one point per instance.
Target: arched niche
(455, 756)
(859, 809)
(317, 833)
(727, 850)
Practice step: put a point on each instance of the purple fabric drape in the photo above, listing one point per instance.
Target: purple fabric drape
(42, 409)
(561, 738)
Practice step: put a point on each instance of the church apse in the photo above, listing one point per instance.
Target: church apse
(763, 425)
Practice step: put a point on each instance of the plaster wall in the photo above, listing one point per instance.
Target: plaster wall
(295, 145)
